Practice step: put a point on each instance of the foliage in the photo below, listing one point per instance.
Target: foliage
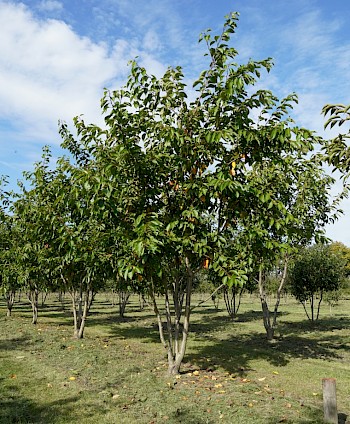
(337, 150)
(343, 252)
(316, 271)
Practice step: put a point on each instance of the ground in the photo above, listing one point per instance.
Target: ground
(117, 373)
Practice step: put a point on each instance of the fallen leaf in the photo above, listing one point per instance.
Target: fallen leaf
(72, 378)
(314, 394)
(262, 379)
(288, 405)
(218, 385)
(195, 372)
(13, 376)
(275, 372)
(250, 405)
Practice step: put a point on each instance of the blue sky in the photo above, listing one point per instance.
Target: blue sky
(56, 56)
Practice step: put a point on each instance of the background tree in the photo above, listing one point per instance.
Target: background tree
(316, 271)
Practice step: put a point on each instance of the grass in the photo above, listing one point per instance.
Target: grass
(117, 373)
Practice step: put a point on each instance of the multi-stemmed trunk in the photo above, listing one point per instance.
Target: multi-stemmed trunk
(10, 300)
(174, 339)
(232, 297)
(270, 318)
(123, 301)
(312, 307)
(81, 304)
(33, 296)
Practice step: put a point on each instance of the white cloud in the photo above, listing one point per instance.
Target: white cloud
(48, 72)
(151, 41)
(50, 6)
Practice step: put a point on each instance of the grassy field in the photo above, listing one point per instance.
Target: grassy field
(117, 373)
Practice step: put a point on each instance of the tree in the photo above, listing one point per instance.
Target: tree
(170, 179)
(317, 271)
(337, 150)
(303, 210)
(343, 252)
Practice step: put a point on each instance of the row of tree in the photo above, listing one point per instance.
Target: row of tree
(169, 185)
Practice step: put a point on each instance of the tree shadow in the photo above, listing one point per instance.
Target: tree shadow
(18, 409)
(14, 343)
(236, 353)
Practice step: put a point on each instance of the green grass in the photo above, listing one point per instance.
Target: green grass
(117, 373)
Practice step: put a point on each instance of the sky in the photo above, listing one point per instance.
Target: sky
(57, 56)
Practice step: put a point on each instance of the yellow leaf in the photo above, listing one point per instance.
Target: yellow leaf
(72, 378)
(275, 372)
(218, 385)
(195, 372)
(250, 405)
(262, 379)
(314, 394)
(178, 376)
(288, 405)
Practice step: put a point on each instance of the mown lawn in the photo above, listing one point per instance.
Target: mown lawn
(117, 373)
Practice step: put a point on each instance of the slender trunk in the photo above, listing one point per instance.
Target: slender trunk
(174, 366)
(319, 305)
(10, 300)
(123, 300)
(141, 302)
(279, 291)
(312, 308)
(265, 307)
(44, 296)
(231, 301)
(33, 296)
(74, 310)
(305, 309)
(87, 303)
(159, 319)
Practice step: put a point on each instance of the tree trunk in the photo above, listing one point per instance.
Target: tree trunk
(10, 300)
(231, 302)
(33, 296)
(174, 339)
(123, 301)
(271, 326)
(319, 306)
(279, 291)
(81, 309)
(265, 307)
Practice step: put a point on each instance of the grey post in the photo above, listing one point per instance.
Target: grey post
(330, 400)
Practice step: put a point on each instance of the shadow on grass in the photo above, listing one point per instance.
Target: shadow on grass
(14, 343)
(236, 353)
(17, 409)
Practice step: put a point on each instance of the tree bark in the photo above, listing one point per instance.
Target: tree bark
(10, 300)
(33, 296)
